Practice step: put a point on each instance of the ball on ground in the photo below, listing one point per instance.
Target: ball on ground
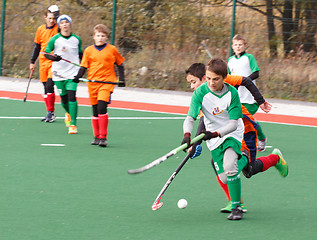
(182, 203)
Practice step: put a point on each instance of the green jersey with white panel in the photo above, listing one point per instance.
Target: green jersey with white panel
(243, 65)
(218, 110)
(68, 48)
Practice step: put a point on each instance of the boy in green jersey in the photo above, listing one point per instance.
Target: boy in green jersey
(244, 64)
(220, 104)
(66, 45)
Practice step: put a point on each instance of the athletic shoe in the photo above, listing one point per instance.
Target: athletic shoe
(244, 209)
(103, 142)
(72, 129)
(95, 141)
(50, 117)
(228, 208)
(236, 213)
(281, 165)
(262, 145)
(67, 119)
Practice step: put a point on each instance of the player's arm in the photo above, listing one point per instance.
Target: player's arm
(247, 82)
(35, 54)
(49, 48)
(121, 75)
(254, 75)
(264, 105)
(81, 72)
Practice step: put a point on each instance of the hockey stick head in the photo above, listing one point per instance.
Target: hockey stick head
(157, 205)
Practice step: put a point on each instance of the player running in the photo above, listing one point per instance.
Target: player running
(195, 75)
(42, 36)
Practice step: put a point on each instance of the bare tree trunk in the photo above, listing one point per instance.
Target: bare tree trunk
(310, 32)
(287, 24)
(271, 29)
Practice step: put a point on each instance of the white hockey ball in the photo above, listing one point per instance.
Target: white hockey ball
(182, 203)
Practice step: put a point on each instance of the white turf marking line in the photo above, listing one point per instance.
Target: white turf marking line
(268, 146)
(114, 118)
(52, 145)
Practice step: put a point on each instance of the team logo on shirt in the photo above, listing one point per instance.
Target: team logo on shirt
(217, 111)
(64, 49)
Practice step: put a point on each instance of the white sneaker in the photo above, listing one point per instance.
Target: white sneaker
(262, 145)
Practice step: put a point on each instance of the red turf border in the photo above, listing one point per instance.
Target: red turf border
(262, 117)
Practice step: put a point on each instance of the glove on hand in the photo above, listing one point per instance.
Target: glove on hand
(57, 58)
(209, 135)
(196, 151)
(121, 84)
(76, 79)
(186, 140)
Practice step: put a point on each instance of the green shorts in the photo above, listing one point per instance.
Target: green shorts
(65, 85)
(218, 153)
(252, 108)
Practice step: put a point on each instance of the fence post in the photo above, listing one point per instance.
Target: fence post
(113, 30)
(2, 33)
(232, 25)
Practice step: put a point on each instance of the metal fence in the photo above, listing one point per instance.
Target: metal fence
(165, 37)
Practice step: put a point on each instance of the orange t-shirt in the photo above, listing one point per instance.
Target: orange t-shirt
(236, 81)
(42, 36)
(100, 63)
(233, 80)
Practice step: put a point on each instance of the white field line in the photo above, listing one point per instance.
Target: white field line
(113, 118)
(53, 144)
(147, 118)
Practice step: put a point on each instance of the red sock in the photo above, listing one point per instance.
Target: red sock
(224, 188)
(95, 126)
(269, 161)
(50, 102)
(103, 125)
(45, 101)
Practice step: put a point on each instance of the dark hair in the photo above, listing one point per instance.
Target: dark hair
(197, 70)
(218, 66)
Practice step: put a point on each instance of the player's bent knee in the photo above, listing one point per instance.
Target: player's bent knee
(223, 178)
(230, 169)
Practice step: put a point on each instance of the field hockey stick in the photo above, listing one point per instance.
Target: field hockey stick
(27, 88)
(157, 204)
(86, 80)
(207, 50)
(166, 156)
(78, 65)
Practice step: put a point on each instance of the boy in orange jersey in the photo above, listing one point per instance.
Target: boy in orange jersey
(100, 59)
(195, 75)
(42, 36)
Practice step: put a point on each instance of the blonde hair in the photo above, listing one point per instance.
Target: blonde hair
(102, 28)
(239, 37)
